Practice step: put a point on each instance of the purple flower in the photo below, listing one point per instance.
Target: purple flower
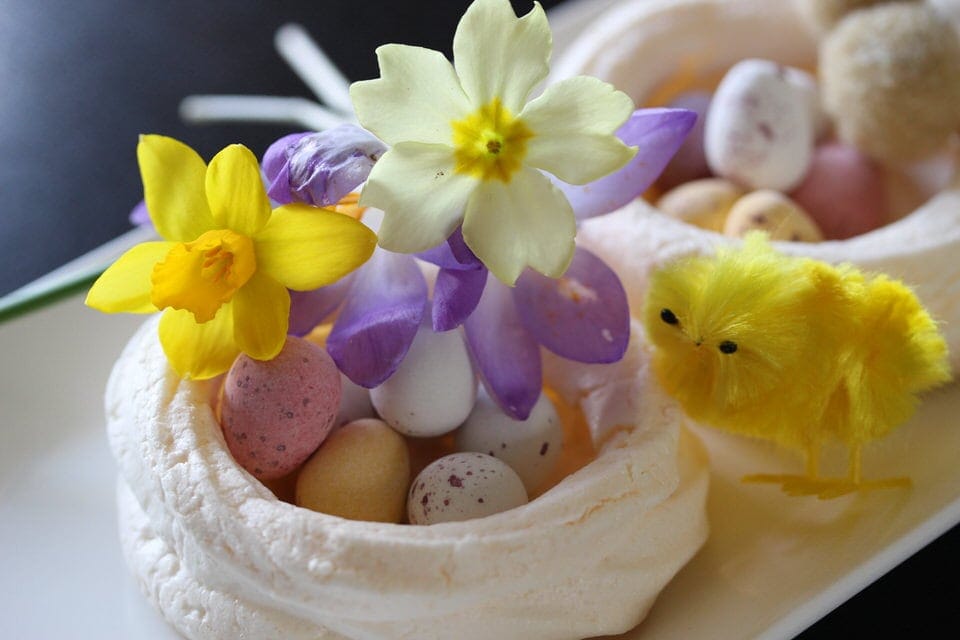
(381, 306)
(139, 216)
(320, 168)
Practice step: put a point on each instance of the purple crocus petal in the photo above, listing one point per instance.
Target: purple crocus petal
(276, 167)
(309, 308)
(506, 354)
(320, 168)
(455, 295)
(139, 216)
(380, 318)
(582, 316)
(658, 133)
(452, 254)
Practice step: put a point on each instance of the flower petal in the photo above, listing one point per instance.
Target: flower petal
(573, 123)
(415, 98)
(526, 222)
(421, 196)
(380, 318)
(198, 351)
(276, 167)
(581, 316)
(305, 248)
(309, 308)
(235, 191)
(506, 354)
(452, 254)
(261, 309)
(456, 293)
(658, 134)
(321, 168)
(173, 178)
(125, 286)
(500, 56)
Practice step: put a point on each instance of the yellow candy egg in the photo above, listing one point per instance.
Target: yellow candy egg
(361, 472)
(773, 212)
(703, 203)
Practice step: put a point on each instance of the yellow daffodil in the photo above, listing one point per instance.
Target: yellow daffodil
(222, 271)
(468, 148)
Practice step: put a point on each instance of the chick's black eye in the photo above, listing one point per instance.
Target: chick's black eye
(728, 346)
(667, 316)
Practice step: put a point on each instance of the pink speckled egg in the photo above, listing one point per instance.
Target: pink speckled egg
(843, 192)
(276, 413)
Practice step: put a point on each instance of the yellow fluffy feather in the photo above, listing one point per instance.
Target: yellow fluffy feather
(792, 350)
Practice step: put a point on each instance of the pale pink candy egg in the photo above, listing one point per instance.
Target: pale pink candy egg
(276, 413)
(843, 192)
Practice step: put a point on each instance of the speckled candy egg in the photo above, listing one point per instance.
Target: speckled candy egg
(760, 128)
(843, 192)
(704, 203)
(463, 486)
(531, 447)
(433, 389)
(276, 413)
(773, 212)
(354, 402)
(361, 472)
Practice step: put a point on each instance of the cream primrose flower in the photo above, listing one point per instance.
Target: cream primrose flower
(466, 146)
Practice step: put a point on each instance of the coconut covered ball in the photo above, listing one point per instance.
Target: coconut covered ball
(890, 78)
(824, 14)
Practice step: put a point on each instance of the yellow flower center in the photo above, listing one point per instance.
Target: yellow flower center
(490, 143)
(202, 275)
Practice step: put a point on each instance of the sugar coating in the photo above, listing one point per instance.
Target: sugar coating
(530, 447)
(843, 192)
(276, 413)
(773, 212)
(464, 486)
(890, 78)
(361, 472)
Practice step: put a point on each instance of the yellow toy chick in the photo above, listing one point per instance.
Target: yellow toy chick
(792, 350)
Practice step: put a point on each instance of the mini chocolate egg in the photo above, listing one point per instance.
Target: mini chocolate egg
(703, 203)
(433, 389)
(689, 162)
(354, 402)
(890, 77)
(361, 472)
(843, 192)
(531, 447)
(463, 486)
(760, 128)
(275, 413)
(773, 212)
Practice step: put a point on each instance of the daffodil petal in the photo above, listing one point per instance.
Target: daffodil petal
(173, 187)
(198, 351)
(304, 248)
(415, 98)
(506, 354)
(573, 123)
(422, 197)
(498, 55)
(260, 311)
(235, 191)
(526, 222)
(125, 285)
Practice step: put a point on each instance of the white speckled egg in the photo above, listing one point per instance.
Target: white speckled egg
(354, 402)
(433, 390)
(760, 128)
(531, 447)
(463, 486)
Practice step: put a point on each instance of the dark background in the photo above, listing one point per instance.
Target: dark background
(79, 80)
